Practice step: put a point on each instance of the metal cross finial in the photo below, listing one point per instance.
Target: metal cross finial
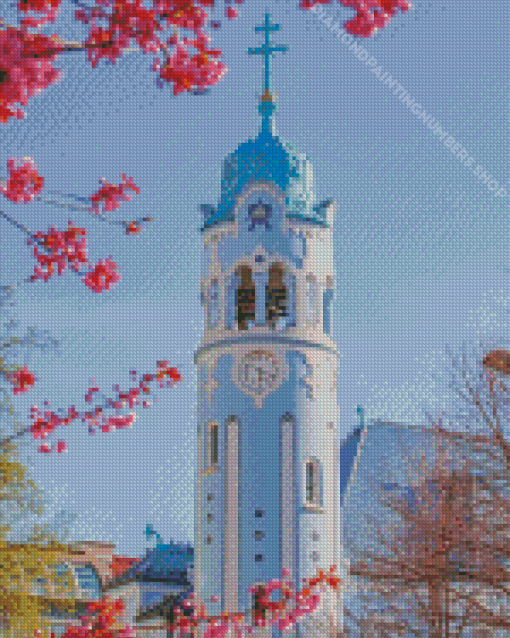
(267, 49)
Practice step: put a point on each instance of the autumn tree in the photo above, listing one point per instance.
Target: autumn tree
(441, 566)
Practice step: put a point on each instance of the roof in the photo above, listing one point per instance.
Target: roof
(166, 607)
(165, 563)
(349, 450)
(267, 158)
(120, 564)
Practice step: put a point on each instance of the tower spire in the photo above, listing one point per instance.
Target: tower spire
(267, 100)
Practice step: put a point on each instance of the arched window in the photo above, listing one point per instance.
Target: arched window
(213, 447)
(276, 297)
(212, 304)
(245, 299)
(312, 299)
(313, 482)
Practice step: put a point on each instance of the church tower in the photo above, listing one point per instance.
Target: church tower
(267, 496)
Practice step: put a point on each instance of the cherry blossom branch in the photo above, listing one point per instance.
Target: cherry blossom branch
(306, 604)
(27, 66)
(43, 427)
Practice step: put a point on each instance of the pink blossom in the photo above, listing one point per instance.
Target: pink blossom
(22, 74)
(102, 277)
(24, 182)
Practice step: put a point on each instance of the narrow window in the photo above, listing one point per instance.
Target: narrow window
(208, 540)
(313, 482)
(245, 299)
(213, 457)
(258, 610)
(309, 483)
(327, 300)
(276, 298)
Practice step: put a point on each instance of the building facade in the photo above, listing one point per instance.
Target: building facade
(268, 470)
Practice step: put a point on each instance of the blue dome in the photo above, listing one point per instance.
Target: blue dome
(266, 159)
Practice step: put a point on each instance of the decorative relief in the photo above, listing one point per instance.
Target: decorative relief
(259, 372)
(211, 384)
(309, 381)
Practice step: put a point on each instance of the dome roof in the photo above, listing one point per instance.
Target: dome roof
(267, 159)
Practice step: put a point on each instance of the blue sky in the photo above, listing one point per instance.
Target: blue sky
(420, 241)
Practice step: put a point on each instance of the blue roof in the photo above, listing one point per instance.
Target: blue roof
(169, 562)
(267, 158)
(348, 453)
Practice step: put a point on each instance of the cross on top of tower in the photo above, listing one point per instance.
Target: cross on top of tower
(267, 49)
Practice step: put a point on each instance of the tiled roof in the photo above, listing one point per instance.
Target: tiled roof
(166, 606)
(164, 563)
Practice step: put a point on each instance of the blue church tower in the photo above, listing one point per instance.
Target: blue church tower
(267, 496)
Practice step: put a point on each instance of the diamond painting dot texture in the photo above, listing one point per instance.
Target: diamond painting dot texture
(254, 349)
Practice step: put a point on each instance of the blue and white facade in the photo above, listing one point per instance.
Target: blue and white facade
(268, 469)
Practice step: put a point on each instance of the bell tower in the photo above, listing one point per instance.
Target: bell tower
(267, 498)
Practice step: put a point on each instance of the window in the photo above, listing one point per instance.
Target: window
(88, 581)
(258, 610)
(313, 481)
(41, 585)
(209, 518)
(276, 298)
(315, 556)
(309, 482)
(327, 299)
(315, 536)
(259, 513)
(213, 444)
(245, 299)
(258, 558)
(210, 497)
(208, 540)
(259, 535)
(259, 213)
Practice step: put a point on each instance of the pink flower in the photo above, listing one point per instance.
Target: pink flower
(24, 182)
(22, 74)
(61, 447)
(49, 8)
(112, 194)
(21, 379)
(62, 245)
(102, 277)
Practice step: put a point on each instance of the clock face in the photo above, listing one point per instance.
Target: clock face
(259, 371)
